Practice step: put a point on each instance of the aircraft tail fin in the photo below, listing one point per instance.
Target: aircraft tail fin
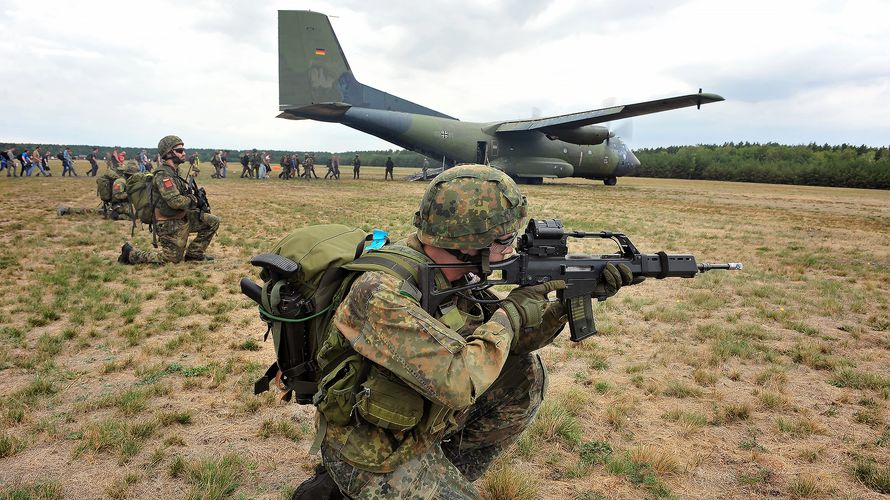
(314, 78)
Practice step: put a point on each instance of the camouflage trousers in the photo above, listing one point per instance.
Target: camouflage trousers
(447, 470)
(173, 237)
(117, 211)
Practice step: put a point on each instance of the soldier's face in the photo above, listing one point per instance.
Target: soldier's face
(178, 154)
(500, 248)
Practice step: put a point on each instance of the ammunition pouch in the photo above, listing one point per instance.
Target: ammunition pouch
(388, 403)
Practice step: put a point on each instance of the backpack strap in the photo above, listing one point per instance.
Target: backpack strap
(399, 261)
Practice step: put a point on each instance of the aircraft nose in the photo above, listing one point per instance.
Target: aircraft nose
(628, 164)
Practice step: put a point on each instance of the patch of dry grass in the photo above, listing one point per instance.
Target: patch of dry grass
(154, 367)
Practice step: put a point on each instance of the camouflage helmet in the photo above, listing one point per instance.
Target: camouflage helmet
(467, 207)
(167, 144)
(130, 167)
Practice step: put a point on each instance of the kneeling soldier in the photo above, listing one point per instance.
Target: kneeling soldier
(175, 214)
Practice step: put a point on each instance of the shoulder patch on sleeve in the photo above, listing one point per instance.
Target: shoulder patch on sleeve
(167, 183)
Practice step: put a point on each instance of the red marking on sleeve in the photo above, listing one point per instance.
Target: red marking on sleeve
(168, 183)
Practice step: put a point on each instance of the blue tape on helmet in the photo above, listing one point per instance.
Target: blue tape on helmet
(378, 239)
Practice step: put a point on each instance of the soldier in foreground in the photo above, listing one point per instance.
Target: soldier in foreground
(444, 394)
(175, 214)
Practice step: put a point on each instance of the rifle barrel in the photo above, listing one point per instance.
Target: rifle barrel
(730, 266)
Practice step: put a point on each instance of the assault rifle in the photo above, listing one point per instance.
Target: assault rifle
(199, 192)
(542, 256)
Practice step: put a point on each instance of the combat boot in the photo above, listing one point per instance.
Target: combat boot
(318, 487)
(124, 257)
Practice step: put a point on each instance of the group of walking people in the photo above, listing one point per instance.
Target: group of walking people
(34, 161)
(256, 165)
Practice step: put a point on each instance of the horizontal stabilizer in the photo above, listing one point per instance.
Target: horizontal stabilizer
(326, 112)
(583, 118)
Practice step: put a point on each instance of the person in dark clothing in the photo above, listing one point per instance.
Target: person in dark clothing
(245, 166)
(5, 161)
(94, 165)
(389, 166)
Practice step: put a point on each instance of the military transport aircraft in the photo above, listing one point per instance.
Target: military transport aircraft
(315, 82)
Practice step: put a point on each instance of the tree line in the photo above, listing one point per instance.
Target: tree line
(812, 164)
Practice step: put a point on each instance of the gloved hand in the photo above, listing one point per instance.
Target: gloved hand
(525, 305)
(613, 278)
(554, 319)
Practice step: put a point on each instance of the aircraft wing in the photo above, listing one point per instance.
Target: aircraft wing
(575, 120)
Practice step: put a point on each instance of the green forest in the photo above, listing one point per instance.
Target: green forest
(812, 164)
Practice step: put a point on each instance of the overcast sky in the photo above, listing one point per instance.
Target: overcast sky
(123, 72)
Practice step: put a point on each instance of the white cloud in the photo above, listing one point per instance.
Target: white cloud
(105, 72)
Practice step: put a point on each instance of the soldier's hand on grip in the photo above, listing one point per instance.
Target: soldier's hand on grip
(613, 278)
(554, 319)
(525, 305)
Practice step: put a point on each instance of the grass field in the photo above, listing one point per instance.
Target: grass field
(136, 382)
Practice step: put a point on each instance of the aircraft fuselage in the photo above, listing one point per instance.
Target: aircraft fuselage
(521, 154)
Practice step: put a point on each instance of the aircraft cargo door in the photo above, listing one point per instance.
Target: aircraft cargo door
(482, 152)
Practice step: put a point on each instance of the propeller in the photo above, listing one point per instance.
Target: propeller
(625, 127)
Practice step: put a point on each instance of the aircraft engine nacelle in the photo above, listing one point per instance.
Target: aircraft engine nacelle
(587, 135)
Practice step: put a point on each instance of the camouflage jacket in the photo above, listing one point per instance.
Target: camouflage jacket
(170, 193)
(442, 363)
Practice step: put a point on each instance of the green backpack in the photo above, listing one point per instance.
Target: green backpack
(139, 193)
(104, 185)
(305, 277)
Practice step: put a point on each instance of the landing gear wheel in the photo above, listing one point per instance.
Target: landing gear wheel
(610, 181)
